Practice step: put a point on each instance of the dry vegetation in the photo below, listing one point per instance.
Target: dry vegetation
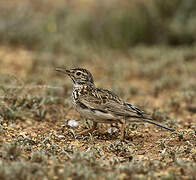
(36, 140)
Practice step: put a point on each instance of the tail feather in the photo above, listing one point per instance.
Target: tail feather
(149, 120)
(157, 124)
(144, 116)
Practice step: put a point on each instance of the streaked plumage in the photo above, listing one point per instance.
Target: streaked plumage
(101, 105)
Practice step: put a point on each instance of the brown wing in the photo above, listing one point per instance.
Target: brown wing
(106, 101)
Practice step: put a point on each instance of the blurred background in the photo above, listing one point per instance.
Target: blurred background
(61, 25)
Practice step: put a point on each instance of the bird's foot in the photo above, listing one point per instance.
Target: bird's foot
(86, 132)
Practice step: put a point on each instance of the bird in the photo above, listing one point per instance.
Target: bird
(102, 105)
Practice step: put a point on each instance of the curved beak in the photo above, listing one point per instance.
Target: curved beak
(63, 71)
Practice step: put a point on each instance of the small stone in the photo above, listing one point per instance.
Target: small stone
(72, 123)
(33, 134)
(61, 136)
(112, 130)
(4, 124)
(48, 145)
(12, 125)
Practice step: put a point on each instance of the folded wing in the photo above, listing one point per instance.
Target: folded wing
(106, 101)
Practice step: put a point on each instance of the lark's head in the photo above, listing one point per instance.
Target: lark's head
(79, 76)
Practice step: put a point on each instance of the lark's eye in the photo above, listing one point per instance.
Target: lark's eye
(78, 73)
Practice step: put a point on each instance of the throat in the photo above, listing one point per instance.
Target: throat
(78, 86)
(82, 85)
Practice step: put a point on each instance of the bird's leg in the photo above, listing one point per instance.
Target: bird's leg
(86, 132)
(122, 129)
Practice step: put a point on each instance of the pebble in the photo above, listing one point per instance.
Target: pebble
(112, 130)
(61, 136)
(72, 123)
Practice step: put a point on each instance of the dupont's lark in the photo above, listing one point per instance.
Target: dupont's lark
(101, 105)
